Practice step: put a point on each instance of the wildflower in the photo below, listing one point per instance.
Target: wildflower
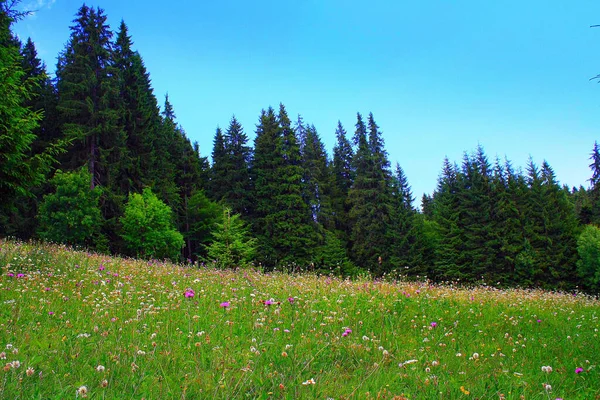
(3, 356)
(578, 370)
(20, 275)
(29, 371)
(547, 368)
(104, 383)
(435, 363)
(82, 391)
(347, 332)
(433, 324)
(100, 368)
(547, 386)
(189, 293)
(365, 338)
(15, 364)
(475, 356)
(268, 302)
(10, 274)
(539, 320)
(311, 381)
(291, 300)
(465, 391)
(224, 304)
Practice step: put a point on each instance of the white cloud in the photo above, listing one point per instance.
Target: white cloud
(34, 6)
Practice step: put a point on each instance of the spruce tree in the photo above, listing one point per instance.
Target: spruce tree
(239, 154)
(372, 202)
(446, 217)
(402, 226)
(315, 176)
(220, 168)
(281, 220)
(138, 113)
(342, 176)
(266, 162)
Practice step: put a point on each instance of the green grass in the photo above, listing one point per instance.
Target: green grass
(124, 329)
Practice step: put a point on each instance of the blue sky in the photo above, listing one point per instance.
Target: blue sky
(439, 76)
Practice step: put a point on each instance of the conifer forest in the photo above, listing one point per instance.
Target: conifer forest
(89, 158)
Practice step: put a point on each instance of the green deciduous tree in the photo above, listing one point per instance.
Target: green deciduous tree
(148, 230)
(588, 265)
(71, 214)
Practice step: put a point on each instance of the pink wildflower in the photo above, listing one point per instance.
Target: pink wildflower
(578, 370)
(189, 293)
(433, 324)
(224, 304)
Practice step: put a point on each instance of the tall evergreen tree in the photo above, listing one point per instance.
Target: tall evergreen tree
(372, 202)
(446, 217)
(87, 91)
(402, 226)
(315, 176)
(18, 172)
(342, 176)
(138, 113)
(238, 161)
(595, 184)
(281, 217)
(220, 168)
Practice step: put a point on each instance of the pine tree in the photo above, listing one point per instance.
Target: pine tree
(479, 244)
(220, 168)
(87, 90)
(446, 217)
(238, 178)
(402, 226)
(281, 219)
(595, 184)
(372, 202)
(138, 113)
(295, 230)
(342, 177)
(315, 176)
(266, 162)
(19, 170)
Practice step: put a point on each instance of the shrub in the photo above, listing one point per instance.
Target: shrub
(588, 266)
(148, 229)
(71, 214)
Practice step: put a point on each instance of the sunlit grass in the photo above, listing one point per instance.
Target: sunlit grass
(75, 324)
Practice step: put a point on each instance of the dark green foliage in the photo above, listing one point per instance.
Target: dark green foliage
(220, 166)
(316, 189)
(18, 171)
(446, 216)
(331, 258)
(231, 246)
(588, 266)
(237, 169)
(88, 95)
(342, 177)
(371, 202)
(138, 115)
(71, 214)
(201, 217)
(148, 230)
(282, 220)
(402, 226)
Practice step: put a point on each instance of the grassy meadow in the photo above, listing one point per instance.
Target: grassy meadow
(81, 325)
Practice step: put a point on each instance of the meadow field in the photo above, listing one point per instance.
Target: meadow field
(82, 325)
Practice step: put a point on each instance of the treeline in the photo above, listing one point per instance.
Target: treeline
(88, 158)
